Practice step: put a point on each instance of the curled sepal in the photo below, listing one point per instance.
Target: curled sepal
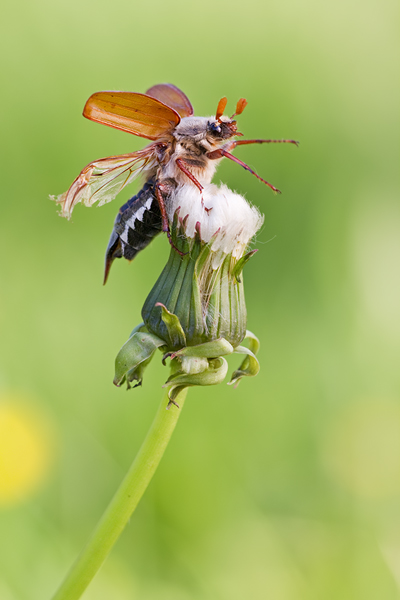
(140, 327)
(250, 365)
(136, 374)
(254, 342)
(174, 393)
(134, 356)
(214, 373)
(193, 364)
(212, 349)
(176, 334)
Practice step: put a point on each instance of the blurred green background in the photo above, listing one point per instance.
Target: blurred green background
(287, 488)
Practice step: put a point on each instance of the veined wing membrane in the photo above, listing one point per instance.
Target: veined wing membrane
(101, 180)
(139, 114)
(172, 96)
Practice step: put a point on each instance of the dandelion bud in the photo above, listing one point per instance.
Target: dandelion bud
(196, 311)
(204, 288)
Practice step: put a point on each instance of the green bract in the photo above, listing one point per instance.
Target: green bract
(195, 314)
(209, 302)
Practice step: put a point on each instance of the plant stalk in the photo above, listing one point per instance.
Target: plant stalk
(124, 502)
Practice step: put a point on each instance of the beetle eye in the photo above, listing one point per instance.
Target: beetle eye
(215, 128)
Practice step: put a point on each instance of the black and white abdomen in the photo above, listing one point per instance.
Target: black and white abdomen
(137, 223)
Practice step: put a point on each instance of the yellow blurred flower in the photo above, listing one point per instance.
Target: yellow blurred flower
(26, 449)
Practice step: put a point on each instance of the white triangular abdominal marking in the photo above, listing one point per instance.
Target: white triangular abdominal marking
(138, 215)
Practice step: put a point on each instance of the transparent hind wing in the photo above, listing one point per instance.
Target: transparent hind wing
(102, 180)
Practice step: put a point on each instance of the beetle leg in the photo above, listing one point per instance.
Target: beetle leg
(181, 165)
(215, 154)
(242, 142)
(164, 218)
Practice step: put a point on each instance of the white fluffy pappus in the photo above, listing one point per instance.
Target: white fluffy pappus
(216, 209)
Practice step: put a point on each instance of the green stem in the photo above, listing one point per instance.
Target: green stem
(124, 502)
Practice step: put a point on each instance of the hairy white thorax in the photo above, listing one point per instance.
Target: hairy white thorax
(194, 128)
(218, 213)
(193, 140)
